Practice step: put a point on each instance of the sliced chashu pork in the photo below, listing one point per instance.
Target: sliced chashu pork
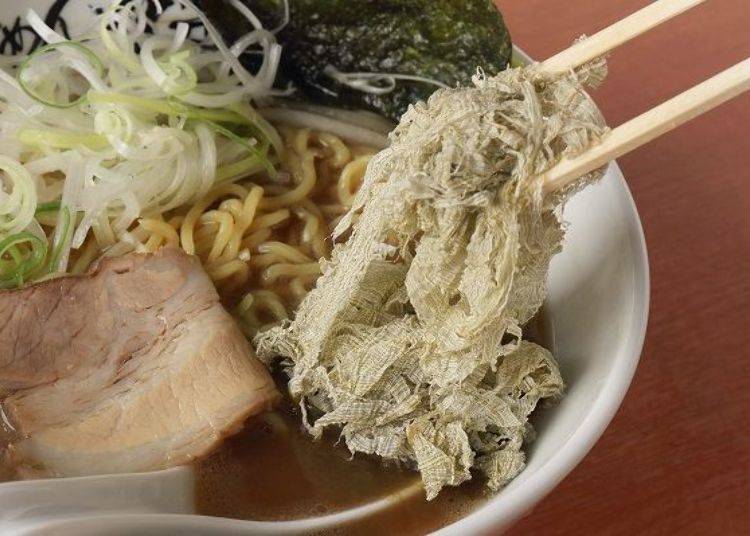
(132, 367)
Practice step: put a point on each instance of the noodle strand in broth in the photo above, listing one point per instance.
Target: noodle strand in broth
(259, 239)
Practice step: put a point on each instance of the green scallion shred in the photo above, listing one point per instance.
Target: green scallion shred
(259, 152)
(51, 206)
(16, 254)
(60, 139)
(14, 273)
(247, 166)
(61, 239)
(169, 106)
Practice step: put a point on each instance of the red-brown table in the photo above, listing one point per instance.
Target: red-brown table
(676, 458)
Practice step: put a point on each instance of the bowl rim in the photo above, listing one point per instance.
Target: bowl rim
(577, 446)
(519, 504)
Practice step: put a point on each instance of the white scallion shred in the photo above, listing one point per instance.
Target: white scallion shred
(129, 119)
(376, 83)
(17, 198)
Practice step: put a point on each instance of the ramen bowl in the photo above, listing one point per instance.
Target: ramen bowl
(595, 316)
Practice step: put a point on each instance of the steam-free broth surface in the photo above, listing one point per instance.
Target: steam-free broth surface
(274, 471)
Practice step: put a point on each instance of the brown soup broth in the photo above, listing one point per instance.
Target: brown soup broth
(274, 471)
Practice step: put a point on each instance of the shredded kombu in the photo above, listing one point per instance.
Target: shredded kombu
(412, 341)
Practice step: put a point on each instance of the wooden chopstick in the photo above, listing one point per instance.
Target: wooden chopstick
(610, 38)
(652, 124)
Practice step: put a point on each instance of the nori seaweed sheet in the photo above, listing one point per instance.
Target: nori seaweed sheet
(445, 40)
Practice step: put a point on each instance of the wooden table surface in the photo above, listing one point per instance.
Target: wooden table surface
(676, 458)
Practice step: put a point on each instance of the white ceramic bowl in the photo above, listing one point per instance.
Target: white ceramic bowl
(597, 308)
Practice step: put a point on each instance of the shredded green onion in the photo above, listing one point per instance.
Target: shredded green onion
(181, 78)
(15, 253)
(51, 206)
(88, 54)
(259, 152)
(62, 238)
(13, 273)
(208, 114)
(18, 198)
(169, 107)
(143, 104)
(124, 57)
(61, 139)
(128, 127)
(266, 130)
(243, 168)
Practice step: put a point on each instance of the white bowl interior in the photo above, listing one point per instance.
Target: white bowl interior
(597, 308)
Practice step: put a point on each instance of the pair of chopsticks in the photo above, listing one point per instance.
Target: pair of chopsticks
(655, 122)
